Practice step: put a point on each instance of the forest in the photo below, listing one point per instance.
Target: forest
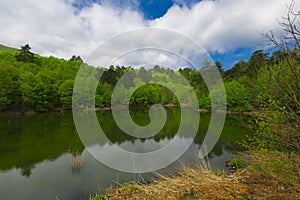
(43, 84)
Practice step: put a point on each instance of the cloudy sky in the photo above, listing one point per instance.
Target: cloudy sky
(228, 29)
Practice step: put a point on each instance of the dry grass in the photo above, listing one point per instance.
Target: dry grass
(76, 163)
(247, 183)
(206, 184)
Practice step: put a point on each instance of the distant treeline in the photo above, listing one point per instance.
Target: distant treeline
(32, 82)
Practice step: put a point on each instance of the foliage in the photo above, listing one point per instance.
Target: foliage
(76, 58)
(276, 165)
(238, 96)
(236, 163)
(25, 55)
(65, 91)
(278, 94)
(98, 197)
(47, 83)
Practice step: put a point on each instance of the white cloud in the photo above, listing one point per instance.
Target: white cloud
(54, 27)
(145, 58)
(51, 27)
(148, 45)
(225, 24)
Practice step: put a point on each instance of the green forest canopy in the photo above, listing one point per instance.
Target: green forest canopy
(32, 82)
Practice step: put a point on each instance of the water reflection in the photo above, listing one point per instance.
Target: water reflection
(76, 163)
(42, 157)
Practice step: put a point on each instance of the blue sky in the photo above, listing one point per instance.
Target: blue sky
(152, 9)
(229, 58)
(230, 30)
(156, 8)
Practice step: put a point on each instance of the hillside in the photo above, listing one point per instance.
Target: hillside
(6, 48)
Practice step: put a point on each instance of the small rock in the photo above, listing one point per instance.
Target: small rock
(282, 188)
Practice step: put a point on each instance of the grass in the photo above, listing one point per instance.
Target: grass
(98, 197)
(282, 169)
(188, 184)
(250, 182)
(5, 48)
(235, 163)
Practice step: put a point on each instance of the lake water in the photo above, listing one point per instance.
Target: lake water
(42, 156)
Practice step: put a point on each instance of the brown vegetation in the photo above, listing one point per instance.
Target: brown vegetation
(247, 183)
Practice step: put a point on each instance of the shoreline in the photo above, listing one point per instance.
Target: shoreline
(190, 183)
(246, 182)
(99, 109)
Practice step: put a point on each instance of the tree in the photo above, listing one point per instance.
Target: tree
(128, 79)
(277, 57)
(278, 126)
(144, 75)
(287, 77)
(76, 58)
(109, 76)
(219, 66)
(27, 82)
(238, 96)
(9, 90)
(103, 95)
(238, 70)
(157, 68)
(288, 39)
(5, 82)
(65, 92)
(25, 55)
(185, 72)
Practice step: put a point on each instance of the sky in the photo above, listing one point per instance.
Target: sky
(230, 30)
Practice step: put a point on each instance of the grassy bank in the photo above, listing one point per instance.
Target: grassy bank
(268, 176)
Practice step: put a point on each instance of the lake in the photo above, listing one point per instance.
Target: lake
(42, 156)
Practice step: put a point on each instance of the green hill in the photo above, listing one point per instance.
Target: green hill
(6, 48)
